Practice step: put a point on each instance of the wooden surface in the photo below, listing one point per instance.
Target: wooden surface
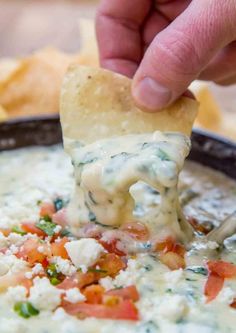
(26, 25)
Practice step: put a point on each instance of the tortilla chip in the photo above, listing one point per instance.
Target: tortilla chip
(96, 104)
(3, 114)
(35, 89)
(8, 67)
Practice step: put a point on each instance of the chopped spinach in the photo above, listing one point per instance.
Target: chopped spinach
(47, 226)
(58, 204)
(25, 309)
(16, 229)
(66, 233)
(197, 269)
(163, 155)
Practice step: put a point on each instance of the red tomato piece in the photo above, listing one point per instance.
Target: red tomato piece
(112, 247)
(58, 248)
(222, 268)
(79, 280)
(179, 249)
(60, 217)
(172, 260)
(31, 228)
(136, 230)
(30, 251)
(213, 286)
(233, 304)
(129, 292)
(5, 232)
(47, 209)
(165, 245)
(124, 310)
(111, 264)
(94, 294)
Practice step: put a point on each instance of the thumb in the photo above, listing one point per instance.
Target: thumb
(179, 53)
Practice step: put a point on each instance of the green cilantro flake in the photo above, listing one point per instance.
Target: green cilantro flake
(162, 155)
(16, 229)
(47, 226)
(51, 271)
(97, 270)
(54, 281)
(25, 309)
(198, 270)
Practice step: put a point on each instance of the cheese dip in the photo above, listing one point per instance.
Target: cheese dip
(51, 280)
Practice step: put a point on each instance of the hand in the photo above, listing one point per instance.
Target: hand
(165, 45)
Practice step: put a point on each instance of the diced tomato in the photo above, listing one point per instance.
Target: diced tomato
(198, 226)
(79, 280)
(172, 260)
(94, 294)
(30, 251)
(111, 264)
(136, 230)
(179, 249)
(31, 228)
(129, 292)
(47, 209)
(7, 281)
(60, 217)
(5, 232)
(58, 248)
(213, 286)
(124, 310)
(111, 247)
(222, 268)
(165, 245)
(233, 304)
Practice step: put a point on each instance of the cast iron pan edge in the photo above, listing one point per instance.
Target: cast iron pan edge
(207, 149)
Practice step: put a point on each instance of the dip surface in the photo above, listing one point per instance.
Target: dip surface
(170, 301)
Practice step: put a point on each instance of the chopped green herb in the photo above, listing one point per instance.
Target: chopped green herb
(25, 309)
(58, 204)
(198, 270)
(162, 155)
(51, 271)
(54, 281)
(18, 230)
(66, 233)
(47, 226)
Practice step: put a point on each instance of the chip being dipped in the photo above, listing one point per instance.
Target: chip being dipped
(121, 154)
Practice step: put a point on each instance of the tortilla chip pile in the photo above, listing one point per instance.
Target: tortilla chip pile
(31, 85)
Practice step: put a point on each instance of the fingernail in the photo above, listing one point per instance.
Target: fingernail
(151, 94)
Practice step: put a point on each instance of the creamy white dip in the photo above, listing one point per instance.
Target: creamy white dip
(171, 301)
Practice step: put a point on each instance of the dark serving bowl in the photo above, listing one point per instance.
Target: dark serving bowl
(207, 149)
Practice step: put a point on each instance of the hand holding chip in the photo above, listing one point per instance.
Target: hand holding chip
(182, 40)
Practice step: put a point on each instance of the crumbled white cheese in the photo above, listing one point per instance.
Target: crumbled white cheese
(40, 249)
(16, 239)
(64, 266)
(3, 241)
(172, 278)
(16, 294)
(38, 268)
(57, 229)
(43, 295)
(84, 251)
(59, 314)
(13, 249)
(29, 275)
(173, 307)
(4, 269)
(74, 295)
(130, 275)
(107, 283)
(14, 264)
(226, 295)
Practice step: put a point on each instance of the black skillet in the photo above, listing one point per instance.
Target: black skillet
(207, 149)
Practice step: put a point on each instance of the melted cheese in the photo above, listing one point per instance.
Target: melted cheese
(107, 170)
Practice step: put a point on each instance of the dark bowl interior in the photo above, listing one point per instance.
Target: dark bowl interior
(207, 149)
